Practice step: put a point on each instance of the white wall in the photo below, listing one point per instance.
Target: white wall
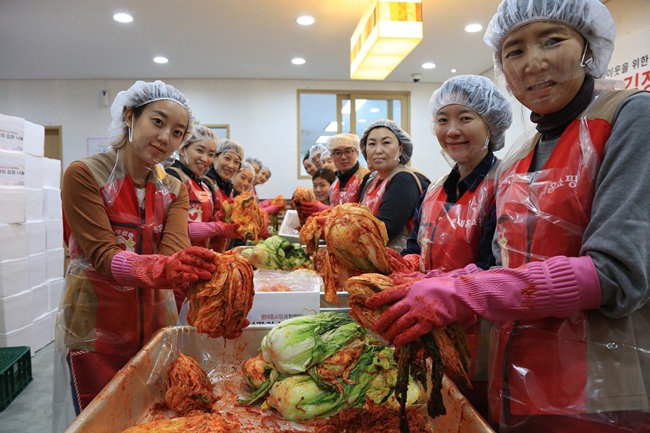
(262, 113)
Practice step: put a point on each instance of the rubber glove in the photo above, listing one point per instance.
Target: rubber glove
(470, 269)
(162, 272)
(219, 229)
(558, 287)
(272, 209)
(309, 208)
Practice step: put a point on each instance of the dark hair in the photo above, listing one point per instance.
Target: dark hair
(325, 173)
(306, 157)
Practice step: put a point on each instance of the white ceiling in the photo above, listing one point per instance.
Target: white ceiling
(256, 39)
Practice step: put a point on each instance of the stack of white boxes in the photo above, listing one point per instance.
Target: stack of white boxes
(31, 236)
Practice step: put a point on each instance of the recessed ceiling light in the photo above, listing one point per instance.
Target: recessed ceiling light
(160, 59)
(428, 65)
(305, 20)
(122, 18)
(473, 28)
(453, 71)
(298, 61)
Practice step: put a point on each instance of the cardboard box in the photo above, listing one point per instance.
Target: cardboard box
(20, 135)
(301, 298)
(13, 276)
(15, 311)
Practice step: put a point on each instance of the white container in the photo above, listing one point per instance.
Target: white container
(40, 300)
(19, 337)
(55, 263)
(12, 168)
(289, 229)
(34, 139)
(12, 132)
(15, 311)
(51, 173)
(54, 234)
(52, 203)
(34, 204)
(33, 171)
(13, 276)
(13, 204)
(13, 241)
(43, 330)
(55, 290)
(36, 236)
(37, 269)
(301, 298)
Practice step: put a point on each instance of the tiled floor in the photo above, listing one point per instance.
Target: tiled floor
(31, 411)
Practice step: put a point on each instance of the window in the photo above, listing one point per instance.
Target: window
(222, 130)
(322, 114)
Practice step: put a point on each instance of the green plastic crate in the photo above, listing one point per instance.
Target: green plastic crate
(15, 373)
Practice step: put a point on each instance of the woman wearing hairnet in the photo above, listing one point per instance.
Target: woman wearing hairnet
(570, 348)
(125, 224)
(454, 219)
(226, 164)
(470, 118)
(394, 192)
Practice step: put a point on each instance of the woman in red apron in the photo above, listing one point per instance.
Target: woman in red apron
(394, 192)
(226, 164)
(570, 349)
(125, 224)
(454, 222)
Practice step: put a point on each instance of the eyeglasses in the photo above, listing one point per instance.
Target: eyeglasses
(347, 152)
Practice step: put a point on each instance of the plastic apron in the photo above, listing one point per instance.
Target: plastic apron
(100, 324)
(372, 197)
(561, 366)
(349, 194)
(219, 197)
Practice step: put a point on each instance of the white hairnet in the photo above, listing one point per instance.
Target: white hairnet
(316, 148)
(253, 160)
(202, 133)
(343, 140)
(325, 155)
(227, 145)
(142, 93)
(402, 136)
(246, 166)
(590, 18)
(481, 95)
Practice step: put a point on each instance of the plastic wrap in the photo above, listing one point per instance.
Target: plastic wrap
(131, 397)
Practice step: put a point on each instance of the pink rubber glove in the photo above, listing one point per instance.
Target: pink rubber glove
(220, 229)
(470, 269)
(558, 287)
(309, 208)
(272, 209)
(162, 272)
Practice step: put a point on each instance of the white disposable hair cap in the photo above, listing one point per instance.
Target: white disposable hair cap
(343, 140)
(142, 93)
(246, 166)
(590, 18)
(227, 145)
(481, 95)
(402, 136)
(202, 133)
(316, 148)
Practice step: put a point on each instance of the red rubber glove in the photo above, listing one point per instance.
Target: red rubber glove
(309, 208)
(162, 272)
(272, 209)
(558, 287)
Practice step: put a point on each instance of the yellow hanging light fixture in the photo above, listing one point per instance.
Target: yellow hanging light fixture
(385, 35)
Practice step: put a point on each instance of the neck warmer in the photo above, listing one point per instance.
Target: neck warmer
(553, 124)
